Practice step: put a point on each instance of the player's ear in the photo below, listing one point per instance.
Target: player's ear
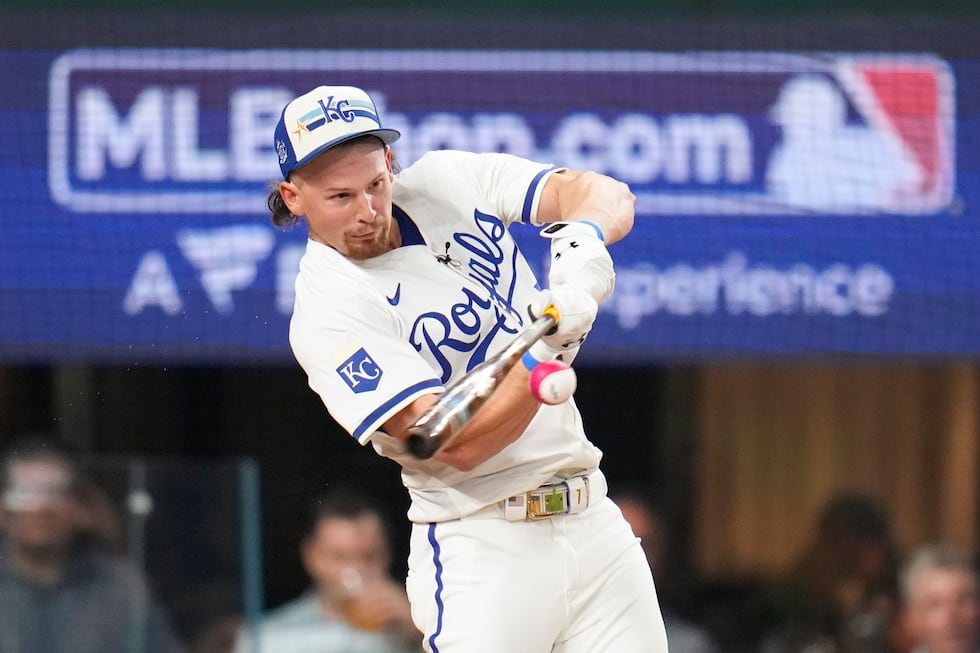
(290, 197)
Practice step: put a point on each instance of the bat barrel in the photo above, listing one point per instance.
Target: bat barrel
(454, 410)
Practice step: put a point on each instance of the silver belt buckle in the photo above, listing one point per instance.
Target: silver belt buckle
(565, 498)
(547, 501)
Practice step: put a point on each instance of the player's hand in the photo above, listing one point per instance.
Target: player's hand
(579, 257)
(577, 311)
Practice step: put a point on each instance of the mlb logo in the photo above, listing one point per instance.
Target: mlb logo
(875, 135)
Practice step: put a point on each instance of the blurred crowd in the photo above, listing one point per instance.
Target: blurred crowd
(65, 586)
(69, 585)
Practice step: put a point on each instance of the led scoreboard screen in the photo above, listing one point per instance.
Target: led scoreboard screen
(787, 204)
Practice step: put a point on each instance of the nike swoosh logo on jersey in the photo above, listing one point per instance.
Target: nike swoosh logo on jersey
(394, 299)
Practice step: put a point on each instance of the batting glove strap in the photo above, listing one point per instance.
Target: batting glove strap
(579, 256)
(540, 351)
(581, 228)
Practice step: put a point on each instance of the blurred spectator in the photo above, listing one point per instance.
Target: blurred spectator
(354, 606)
(941, 600)
(683, 636)
(210, 616)
(61, 590)
(841, 595)
(96, 518)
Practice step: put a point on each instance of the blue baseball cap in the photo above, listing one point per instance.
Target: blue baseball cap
(326, 116)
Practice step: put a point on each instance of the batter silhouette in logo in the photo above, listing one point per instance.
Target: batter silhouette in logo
(825, 163)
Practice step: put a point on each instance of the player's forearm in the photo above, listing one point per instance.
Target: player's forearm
(500, 422)
(601, 200)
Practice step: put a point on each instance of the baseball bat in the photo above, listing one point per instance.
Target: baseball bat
(444, 420)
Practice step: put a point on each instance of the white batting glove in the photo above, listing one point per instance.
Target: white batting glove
(540, 351)
(579, 257)
(577, 311)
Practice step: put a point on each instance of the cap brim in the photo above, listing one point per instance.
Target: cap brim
(388, 136)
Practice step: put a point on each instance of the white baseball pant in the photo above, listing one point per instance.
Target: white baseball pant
(567, 584)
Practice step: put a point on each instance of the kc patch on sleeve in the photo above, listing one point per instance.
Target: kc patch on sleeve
(360, 372)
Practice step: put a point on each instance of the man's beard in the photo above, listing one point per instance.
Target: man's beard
(360, 249)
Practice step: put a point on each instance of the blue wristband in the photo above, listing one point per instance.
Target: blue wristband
(598, 231)
(529, 361)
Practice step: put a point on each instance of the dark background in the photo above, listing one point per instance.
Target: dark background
(269, 415)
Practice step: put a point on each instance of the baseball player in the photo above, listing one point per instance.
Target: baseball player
(408, 282)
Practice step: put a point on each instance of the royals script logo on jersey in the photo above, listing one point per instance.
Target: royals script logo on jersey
(483, 310)
(360, 372)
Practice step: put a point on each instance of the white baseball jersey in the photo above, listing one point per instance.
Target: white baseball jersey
(375, 335)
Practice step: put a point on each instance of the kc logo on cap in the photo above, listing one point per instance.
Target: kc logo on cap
(324, 117)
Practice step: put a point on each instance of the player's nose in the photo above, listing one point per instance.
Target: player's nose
(364, 208)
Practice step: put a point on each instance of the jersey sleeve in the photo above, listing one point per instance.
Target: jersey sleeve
(504, 185)
(357, 361)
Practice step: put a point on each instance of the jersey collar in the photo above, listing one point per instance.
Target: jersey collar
(410, 233)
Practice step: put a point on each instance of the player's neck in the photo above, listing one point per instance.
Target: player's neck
(394, 235)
